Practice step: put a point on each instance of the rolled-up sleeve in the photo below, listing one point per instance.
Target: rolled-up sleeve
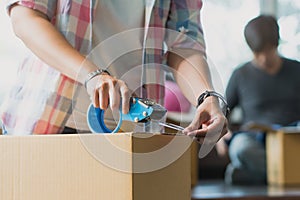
(184, 19)
(48, 7)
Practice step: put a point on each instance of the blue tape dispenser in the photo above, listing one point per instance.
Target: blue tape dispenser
(141, 110)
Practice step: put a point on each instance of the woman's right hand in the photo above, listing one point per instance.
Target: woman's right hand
(106, 90)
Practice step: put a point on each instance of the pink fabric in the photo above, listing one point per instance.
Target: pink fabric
(175, 101)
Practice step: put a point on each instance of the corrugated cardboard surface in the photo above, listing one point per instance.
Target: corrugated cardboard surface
(159, 184)
(283, 162)
(194, 150)
(63, 167)
(194, 163)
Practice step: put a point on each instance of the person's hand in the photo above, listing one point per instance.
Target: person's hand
(209, 122)
(105, 90)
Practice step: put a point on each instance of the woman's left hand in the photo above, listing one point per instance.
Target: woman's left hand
(209, 122)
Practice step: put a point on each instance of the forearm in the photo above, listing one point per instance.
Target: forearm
(41, 37)
(191, 73)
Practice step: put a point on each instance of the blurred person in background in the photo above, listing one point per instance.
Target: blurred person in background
(266, 89)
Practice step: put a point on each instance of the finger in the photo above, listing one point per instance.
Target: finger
(214, 131)
(114, 94)
(217, 127)
(200, 118)
(198, 132)
(194, 125)
(189, 129)
(104, 96)
(96, 99)
(125, 98)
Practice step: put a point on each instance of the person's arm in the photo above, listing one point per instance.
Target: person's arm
(193, 77)
(232, 91)
(45, 41)
(192, 73)
(186, 56)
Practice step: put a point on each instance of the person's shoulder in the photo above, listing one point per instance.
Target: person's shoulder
(240, 72)
(243, 68)
(292, 65)
(291, 61)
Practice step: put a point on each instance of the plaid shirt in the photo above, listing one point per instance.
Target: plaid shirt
(40, 102)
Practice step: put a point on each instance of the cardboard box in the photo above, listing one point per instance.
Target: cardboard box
(283, 163)
(172, 118)
(194, 163)
(125, 166)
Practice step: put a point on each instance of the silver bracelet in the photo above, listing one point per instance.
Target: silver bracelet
(91, 75)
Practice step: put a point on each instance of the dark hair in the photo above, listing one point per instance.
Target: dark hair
(262, 32)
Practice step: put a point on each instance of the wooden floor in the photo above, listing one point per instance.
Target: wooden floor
(217, 190)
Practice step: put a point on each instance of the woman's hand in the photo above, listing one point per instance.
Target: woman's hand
(105, 90)
(209, 122)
